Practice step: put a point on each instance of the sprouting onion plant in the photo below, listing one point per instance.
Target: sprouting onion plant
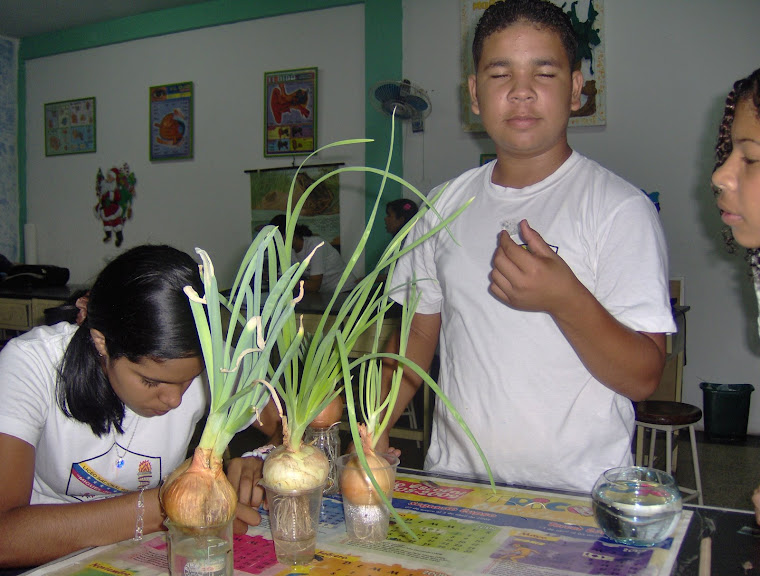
(261, 353)
(366, 480)
(237, 336)
(320, 372)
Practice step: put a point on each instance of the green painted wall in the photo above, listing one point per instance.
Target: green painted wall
(382, 53)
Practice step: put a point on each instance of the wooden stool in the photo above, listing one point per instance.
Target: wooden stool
(668, 417)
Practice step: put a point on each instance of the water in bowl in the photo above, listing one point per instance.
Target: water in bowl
(637, 511)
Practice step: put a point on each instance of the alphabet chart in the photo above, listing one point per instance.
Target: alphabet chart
(462, 528)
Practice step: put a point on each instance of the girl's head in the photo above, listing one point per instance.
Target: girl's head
(736, 176)
(138, 344)
(139, 306)
(398, 213)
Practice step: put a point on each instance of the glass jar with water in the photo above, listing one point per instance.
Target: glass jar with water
(637, 506)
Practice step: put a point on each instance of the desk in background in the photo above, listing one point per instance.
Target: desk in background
(22, 309)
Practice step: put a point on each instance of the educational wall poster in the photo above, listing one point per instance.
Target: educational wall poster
(290, 115)
(587, 17)
(321, 211)
(70, 127)
(171, 121)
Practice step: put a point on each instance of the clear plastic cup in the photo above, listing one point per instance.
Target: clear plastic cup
(294, 520)
(366, 515)
(203, 550)
(327, 440)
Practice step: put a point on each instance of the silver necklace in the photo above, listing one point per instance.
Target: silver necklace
(120, 457)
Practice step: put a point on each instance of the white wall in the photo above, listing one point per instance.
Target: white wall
(669, 65)
(205, 201)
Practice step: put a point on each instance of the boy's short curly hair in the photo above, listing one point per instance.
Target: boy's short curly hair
(542, 13)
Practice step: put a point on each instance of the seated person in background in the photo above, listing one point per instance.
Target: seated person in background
(736, 179)
(326, 266)
(94, 416)
(550, 295)
(398, 213)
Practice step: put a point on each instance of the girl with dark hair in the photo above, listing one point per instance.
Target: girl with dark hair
(326, 267)
(398, 213)
(95, 416)
(736, 179)
(736, 176)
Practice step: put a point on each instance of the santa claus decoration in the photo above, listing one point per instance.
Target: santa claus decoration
(115, 191)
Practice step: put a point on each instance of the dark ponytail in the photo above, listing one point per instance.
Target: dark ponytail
(138, 304)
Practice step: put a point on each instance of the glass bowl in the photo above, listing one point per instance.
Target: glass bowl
(637, 506)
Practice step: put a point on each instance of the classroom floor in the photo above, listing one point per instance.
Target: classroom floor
(730, 471)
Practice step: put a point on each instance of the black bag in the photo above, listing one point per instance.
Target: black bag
(35, 276)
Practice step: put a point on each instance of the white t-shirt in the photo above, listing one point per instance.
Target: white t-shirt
(71, 463)
(327, 262)
(538, 414)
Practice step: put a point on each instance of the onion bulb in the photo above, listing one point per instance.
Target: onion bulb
(330, 415)
(304, 469)
(198, 493)
(355, 485)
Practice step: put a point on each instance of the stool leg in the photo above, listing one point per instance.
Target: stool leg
(695, 460)
(652, 438)
(640, 445)
(668, 447)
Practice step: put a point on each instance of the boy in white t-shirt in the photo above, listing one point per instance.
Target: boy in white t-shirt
(550, 304)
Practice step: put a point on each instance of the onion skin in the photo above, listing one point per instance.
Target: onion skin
(285, 469)
(330, 416)
(197, 493)
(357, 488)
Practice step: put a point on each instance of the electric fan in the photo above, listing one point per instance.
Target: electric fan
(410, 102)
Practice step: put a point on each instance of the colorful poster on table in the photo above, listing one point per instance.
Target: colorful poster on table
(462, 529)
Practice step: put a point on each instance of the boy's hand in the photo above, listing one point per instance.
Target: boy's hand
(534, 280)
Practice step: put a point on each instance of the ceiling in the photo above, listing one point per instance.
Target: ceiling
(22, 18)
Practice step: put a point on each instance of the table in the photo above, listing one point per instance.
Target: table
(465, 529)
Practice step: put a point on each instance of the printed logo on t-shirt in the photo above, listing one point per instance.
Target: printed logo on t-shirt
(99, 477)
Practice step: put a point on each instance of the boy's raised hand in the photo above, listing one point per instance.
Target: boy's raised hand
(536, 279)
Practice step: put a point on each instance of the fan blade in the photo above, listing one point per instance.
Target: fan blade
(386, 92)
(416, 102)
